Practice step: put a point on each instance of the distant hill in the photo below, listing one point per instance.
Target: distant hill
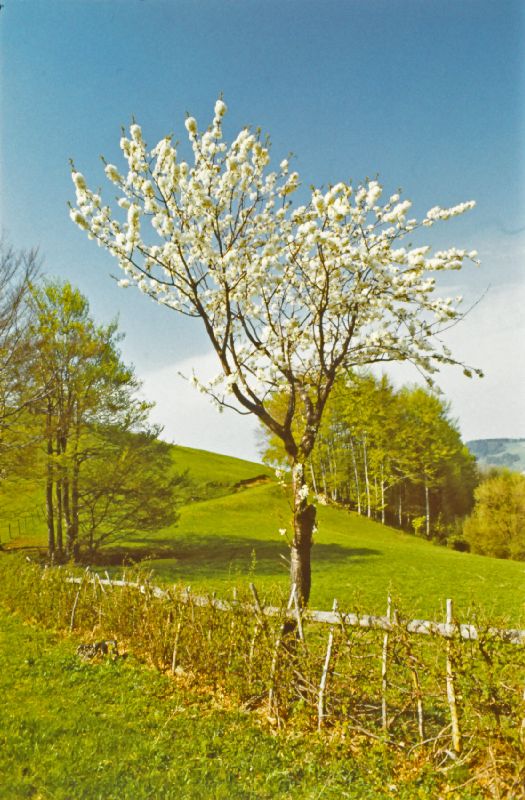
(499, 453)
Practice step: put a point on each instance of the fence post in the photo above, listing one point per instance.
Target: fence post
(275, 657)
(77, 596)
(384, 668)
(298, 614)
(451, 688)
(176, 642)
(324, 677)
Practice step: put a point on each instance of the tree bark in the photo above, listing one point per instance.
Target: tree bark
(304, 523)
(75, 494)
(356, 477)
(49, 501)
(427, 510)
(367, 482)
(58, 497)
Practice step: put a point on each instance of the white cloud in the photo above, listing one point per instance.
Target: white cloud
(491, 337)
(190, 418)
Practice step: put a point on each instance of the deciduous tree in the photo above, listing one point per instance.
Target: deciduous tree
(288, 297)
(497, 524)
(87, 412)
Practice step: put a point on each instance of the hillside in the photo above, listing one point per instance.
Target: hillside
(228, 533)
(499, 453)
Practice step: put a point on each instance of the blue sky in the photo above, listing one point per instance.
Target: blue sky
(427, 93)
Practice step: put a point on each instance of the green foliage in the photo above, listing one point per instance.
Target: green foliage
(128, 487)
(497, 524)
(391, 455)
(104, 473)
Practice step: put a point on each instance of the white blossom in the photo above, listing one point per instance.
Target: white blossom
(191, 125)
(290, 293)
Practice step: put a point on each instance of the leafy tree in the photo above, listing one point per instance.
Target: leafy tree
(86, 408)
(497, 524)
(289, 298)
(128, 486)
(430, 441)
(389, 454)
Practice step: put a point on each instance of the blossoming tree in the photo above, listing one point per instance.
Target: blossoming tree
(289, 296)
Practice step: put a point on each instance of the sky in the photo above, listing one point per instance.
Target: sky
(428, 95)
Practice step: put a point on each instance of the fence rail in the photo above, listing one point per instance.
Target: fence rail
(388, 623)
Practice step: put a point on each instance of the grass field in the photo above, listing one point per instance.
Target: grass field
(115, 730)
(233, 535)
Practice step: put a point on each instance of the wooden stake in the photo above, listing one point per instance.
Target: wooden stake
(384, 669)
(232, 626)
(522, 727)
(451, 689)
(176, 644)
(75, 603)
(258, 609)
(275, 657)
(324, 677)
(298, 614)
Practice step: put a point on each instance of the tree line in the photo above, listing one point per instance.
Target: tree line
(71, 417)
(394, 455)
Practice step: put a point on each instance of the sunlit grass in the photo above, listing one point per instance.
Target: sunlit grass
(234, 536)
(119, 731)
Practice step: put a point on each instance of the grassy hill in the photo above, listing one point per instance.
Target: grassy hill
(228, 533)
(499, 453)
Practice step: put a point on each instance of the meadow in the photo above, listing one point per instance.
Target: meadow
(136, 732)
(228, 534)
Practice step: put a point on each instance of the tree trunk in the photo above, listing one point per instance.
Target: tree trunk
(427, 510)
(75, 494)
(58, 495)
(367, 482)
(66, 507)
(304, 523)
(356, 477)
(49, 500)
(60, 541)
(314, 482)
(382, 494)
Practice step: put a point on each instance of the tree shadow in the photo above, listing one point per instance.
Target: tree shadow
(205, 556)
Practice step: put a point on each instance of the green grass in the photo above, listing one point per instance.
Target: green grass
(205, 467)
(115, 729)
(356, 560)
(234, 535)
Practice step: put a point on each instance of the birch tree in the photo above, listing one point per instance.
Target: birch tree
(289, 294)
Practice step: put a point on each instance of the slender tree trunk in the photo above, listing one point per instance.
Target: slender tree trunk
(356, 477)
(58, 496)
(304, 523)
(49, 491)
(314, 482)
(75, 493)
(382, 494)
(66, 504)
(427, 510)
(58, 493)
(323, 473)
(367, 482)
(333, 472)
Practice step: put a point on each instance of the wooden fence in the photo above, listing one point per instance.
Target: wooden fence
(401, 672)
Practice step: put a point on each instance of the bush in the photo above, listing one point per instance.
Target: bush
(497, 524)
